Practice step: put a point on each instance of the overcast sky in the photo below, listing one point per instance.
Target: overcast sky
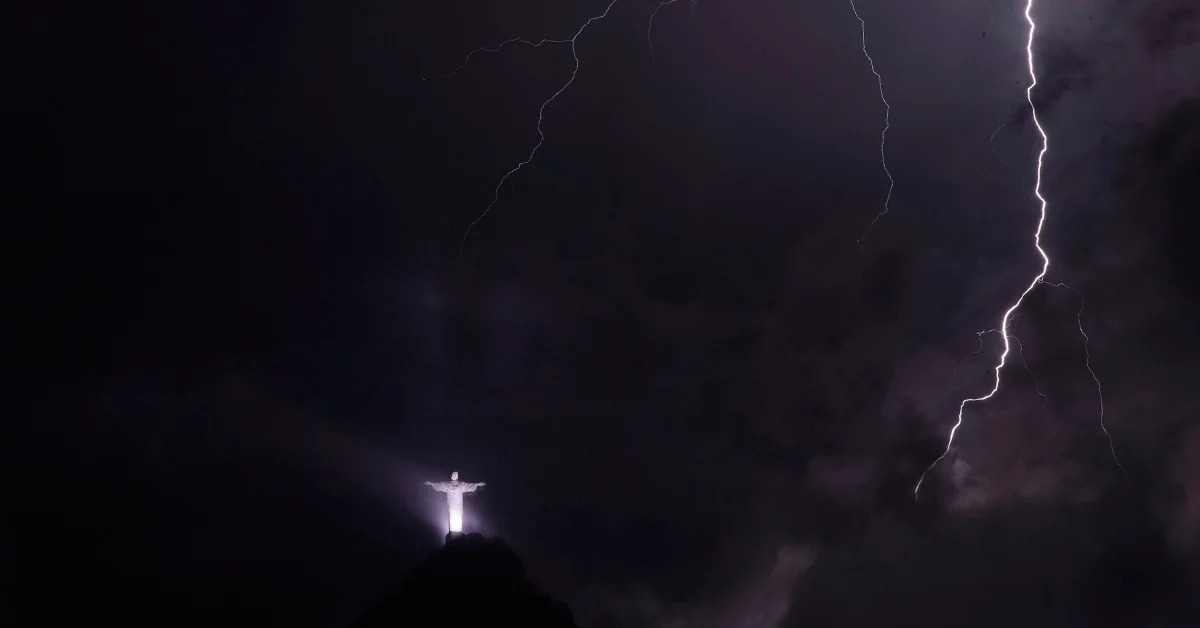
(245, 335)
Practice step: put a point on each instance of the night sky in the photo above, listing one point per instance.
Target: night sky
(241, 334)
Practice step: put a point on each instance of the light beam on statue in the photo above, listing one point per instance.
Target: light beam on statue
(454, 498)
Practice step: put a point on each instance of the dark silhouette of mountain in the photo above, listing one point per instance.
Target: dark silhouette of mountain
(473, 581)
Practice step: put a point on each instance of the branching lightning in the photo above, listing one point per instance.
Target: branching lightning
(1009, 314)
(1038, 279)
(887, 123)
(1020, 349)
(541, 110)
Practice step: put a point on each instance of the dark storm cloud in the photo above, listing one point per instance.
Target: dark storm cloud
(1107, 563)
(1159, 180)
(1166, 168)
(1168, 24)
(760, 599)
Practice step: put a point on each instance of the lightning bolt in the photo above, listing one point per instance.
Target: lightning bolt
(887, 123)
(541, 110)
(1038, 279)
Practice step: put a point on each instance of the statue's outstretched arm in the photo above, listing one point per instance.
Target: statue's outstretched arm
(438, 486)
(469, 487)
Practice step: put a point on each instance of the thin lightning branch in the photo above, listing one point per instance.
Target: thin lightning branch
(650, 26)
(1036, 384)
(1087, 361)
(887, 123)
(1020, 348)
(992, 143)
(1087, 357)
(541, 110)
(978, 336)
(1037, 243)
(513, 40)
(992, 138)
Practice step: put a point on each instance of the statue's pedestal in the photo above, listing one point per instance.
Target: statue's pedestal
(450, 536)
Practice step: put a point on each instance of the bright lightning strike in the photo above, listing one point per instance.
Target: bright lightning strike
(541, 110)
(1039, 278)
(887, 123)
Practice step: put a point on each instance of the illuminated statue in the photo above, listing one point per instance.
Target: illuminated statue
(454, 497)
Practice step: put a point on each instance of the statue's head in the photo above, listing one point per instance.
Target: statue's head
(454, 476)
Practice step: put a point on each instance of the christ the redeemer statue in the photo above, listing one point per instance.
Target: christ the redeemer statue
(454, 498)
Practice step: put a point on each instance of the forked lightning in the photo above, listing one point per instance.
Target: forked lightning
(541, 110)
(1009, 314)
(1038, 279)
